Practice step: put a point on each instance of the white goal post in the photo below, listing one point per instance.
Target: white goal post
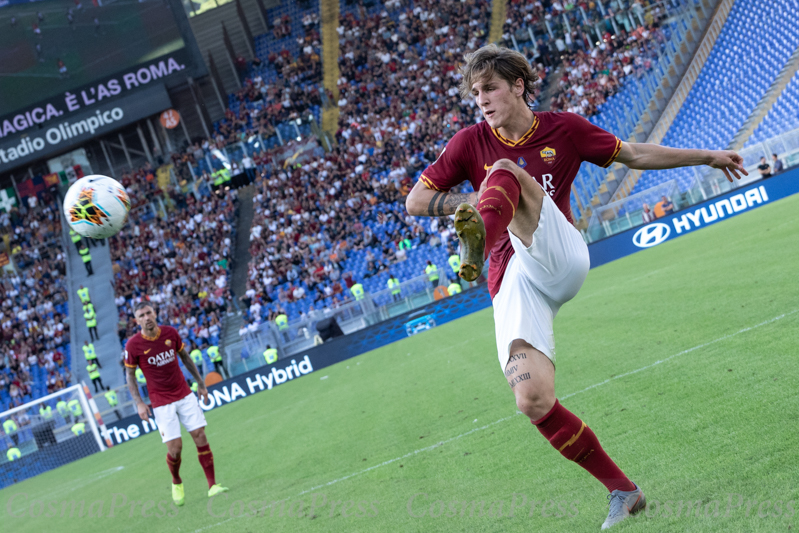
(49, 432)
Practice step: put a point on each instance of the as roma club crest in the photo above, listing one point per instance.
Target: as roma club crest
(548, 155)
(168, 342)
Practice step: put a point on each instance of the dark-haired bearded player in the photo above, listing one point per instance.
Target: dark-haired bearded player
(522, 165)
(155, 350)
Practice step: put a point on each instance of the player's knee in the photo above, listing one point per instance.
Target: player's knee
(175, 448)
(199, 437)
(504, 164)
(534, 404)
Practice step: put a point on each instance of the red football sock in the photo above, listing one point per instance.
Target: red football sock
(576, 442)
(498, 204)
(174, 468)
(207, 462)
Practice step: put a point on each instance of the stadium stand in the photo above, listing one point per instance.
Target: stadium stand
(604, 86)
(280, 86)
(607, 66)
(548, 31)
(35, 357)
(372, 167)
(726, 92)
(295, 28)
(784, 116)
(591, 79)
(297, 263)
(323, 269)
(180, 261)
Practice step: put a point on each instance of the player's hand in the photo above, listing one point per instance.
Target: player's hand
(729, 162)
(144, 410)
(202, 392)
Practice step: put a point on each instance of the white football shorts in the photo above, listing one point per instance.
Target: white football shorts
(186, 411)
(538, 281)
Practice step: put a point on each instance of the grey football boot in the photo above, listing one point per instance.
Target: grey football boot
(623, 504)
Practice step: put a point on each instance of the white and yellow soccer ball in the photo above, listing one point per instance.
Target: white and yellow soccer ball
(96, 206)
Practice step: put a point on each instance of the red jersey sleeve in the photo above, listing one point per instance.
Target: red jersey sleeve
(176, 336)
(594, 144)
(451, 167)
(131, 354)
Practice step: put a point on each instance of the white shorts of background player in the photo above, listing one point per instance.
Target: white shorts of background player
(186, 411)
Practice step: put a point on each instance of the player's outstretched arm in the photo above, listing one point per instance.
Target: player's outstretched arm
(423, 201)
(192, 368)
(142, 408)
(645, 156)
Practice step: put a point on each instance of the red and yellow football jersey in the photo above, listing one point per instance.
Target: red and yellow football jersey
(551, 152)
(158, 359)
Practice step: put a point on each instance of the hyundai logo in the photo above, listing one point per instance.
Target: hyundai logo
(651, 235)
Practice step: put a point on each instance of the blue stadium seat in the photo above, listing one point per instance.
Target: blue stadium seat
(738, 73)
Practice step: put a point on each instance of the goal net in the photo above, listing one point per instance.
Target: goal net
(47, 433)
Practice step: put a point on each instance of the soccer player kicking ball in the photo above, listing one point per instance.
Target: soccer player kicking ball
(155, 350)
(522, 165)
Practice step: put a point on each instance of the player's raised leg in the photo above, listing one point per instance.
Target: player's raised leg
(509, 198)
(206, 458)
(531, 376)
(174, 448)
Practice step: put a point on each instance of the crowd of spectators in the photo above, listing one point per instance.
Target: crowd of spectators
(281, 87)
(281, 27)
(591, 77)
(302, 230)
(597, 48)
(263, 103)
(179, 260)
(308, 45)
(399, 103)
(34, 324)
(141, 185)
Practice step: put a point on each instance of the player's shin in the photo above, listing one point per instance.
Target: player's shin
(174, 468)
(576, 442)
(498, 204)
(207, 462)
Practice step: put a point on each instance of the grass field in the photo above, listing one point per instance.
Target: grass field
(681, 358)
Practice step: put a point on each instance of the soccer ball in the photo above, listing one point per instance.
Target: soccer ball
(96, 206)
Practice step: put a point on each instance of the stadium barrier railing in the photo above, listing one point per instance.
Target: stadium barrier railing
(707, 183)
(710, 182)
(622, 215)
(235, 152)
(628, 18)
(351, 316)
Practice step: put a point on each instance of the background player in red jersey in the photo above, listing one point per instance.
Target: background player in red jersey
(155, 350)
(522, 165)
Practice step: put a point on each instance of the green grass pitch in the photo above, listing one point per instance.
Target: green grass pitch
(681, 358)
